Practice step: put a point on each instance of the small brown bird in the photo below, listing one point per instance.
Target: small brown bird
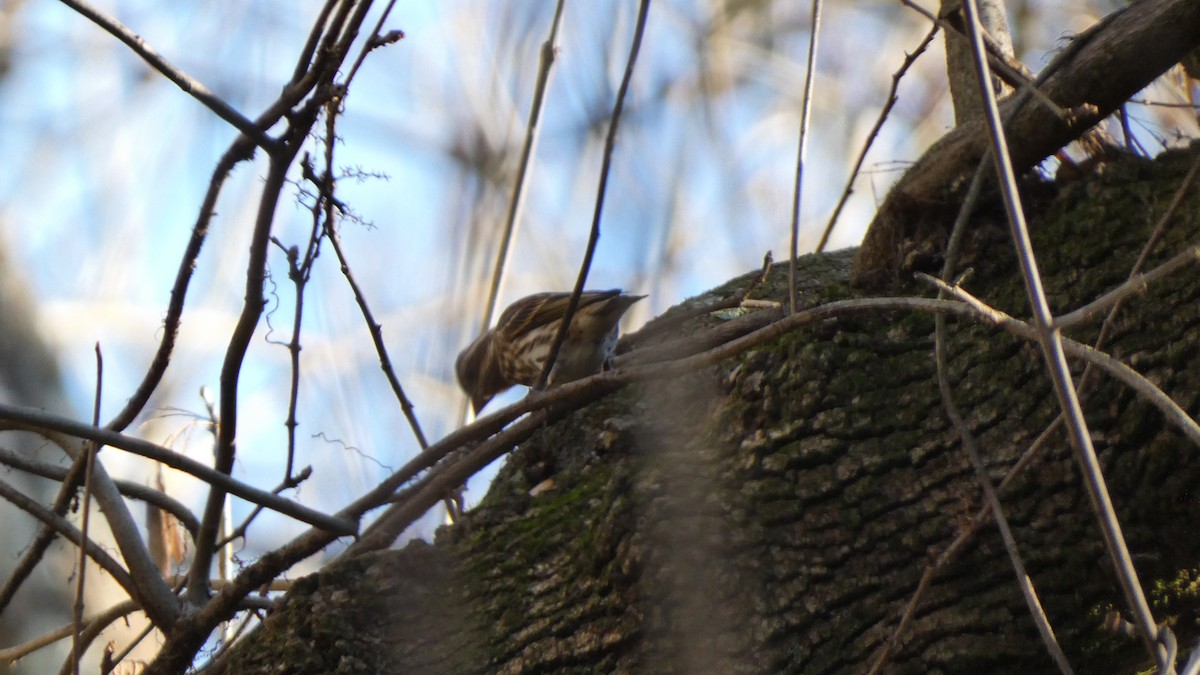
(515, 351)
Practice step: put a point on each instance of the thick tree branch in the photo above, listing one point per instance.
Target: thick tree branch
(1092, 77)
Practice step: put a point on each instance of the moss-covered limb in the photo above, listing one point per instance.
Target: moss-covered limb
(774, 512)
(378, 613)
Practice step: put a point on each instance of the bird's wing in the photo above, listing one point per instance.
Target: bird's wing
(543, 308)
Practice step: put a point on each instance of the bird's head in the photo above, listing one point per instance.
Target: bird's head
(479, 373)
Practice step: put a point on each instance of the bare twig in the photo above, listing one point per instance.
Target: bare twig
(184, 81)
(950, 553)
(970, 446)
(1011, 71)
(45, 534)
(610, 143)
(516, 204)
(304, 62)
(892, 98)
(49, 425)
(90, 450)
(127, 488)
(187, 267)
(802, 148)
(239, 342)
(415, 500)
(103, 619)
(992, 500)
(672, 320)
(298, 273)
(995, 52)
(1052, 347)
(290, 483)
(1121, 372)
(377, 39)
(69, 532)
(1160, 227)
(376, 330)
(1137, 284)
(133, 643)
(948, 271)
(327, 185)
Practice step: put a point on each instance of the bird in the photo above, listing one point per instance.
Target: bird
(515, 350)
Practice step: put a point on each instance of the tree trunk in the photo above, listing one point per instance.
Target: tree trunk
(775, 512)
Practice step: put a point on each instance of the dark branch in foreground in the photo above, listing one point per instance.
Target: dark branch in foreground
(34, 420)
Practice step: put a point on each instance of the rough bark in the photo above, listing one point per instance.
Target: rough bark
(1097, 72)
(774, 513)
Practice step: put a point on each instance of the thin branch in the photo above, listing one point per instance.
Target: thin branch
(374, 42)
(970, 445)
(1119, 371)
(45, 534)
(90, 450)
(1137, 284)
(516, 204)
(610, 143)
(992, 500)
(188, 84)
(304, 63)
(290, 483)
(1006, 67)
(966, 535)
(102, 619)
(376, 331)
(49, 425)
(148, 587)
(121, 655)
(299, 274)
(802, 149)
(71, 533)
(1160, 227)
(238, 151)
(326, 186)
(949, 265)
(129, 489)
(892, 98)
(416, 499)
(1052, 347)
(235, 352)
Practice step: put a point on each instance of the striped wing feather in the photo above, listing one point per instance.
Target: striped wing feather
(542, 308)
